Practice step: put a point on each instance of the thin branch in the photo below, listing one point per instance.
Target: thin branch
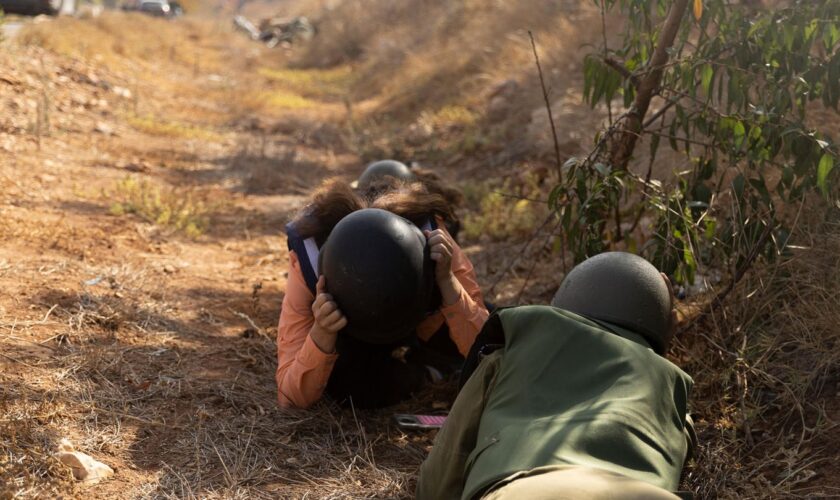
(717, 302)
(739, 273)
(16, 360)
(659, 113)
(649, 173)
(548, 108)
(633, 125)
(681, 139)
(621, 70)
(249, 320)
(521, 252)
(534, 263)
(136, 419)
(606, 52)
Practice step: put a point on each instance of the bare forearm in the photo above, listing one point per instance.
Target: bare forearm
(450, 289)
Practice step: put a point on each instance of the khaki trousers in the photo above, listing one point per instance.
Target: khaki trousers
(574, 483)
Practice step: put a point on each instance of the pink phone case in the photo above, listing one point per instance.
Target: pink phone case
(436, 420)
(420, 421)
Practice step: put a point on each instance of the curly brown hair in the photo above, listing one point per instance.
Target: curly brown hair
(335, 199)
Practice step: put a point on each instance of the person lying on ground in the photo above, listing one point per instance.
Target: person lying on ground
(576, 401)
(376, 365)
(380, 170)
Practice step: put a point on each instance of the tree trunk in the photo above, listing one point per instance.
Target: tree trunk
(632, 126)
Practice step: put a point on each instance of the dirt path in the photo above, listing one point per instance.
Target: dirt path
(141, 274)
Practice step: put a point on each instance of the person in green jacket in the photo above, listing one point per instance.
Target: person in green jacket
(577, 400)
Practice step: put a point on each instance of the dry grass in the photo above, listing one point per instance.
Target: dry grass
(766, 369)
(280, 99)
(319, 83)
(502, 213)
(177, 209)
(462, 82)
(166, 128)
(166, 372)
(106, 41)
(452, 57)
(132, 381)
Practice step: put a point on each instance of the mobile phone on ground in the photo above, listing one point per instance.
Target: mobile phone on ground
(407, 421)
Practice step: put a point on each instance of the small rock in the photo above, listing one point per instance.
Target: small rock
(84, 467)
(122, 92)
(104, 129)
(136, 167)
(169, 269)
(419, 132)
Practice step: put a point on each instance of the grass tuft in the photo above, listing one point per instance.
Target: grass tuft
(450, 116)
(503, 213)
(156, 126)
(333, 82)
(172, 208)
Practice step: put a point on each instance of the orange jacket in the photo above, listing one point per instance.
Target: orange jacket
(303, 369)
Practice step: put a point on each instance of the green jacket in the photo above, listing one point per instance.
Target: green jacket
(564, 391)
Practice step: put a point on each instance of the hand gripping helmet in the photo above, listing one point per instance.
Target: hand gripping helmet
(619, 288)
(378, 269)
(379, 169)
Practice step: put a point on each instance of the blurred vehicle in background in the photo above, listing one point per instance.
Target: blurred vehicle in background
(275, 31)
(157, 8)
(36, 7)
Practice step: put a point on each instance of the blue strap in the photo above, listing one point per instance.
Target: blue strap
(430, 225)
(297, 244)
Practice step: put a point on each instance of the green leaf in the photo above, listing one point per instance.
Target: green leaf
(760, 186)
(738, 132)
(707, 169)
(811, 29)
(690, 263)
(701, 192)
(672, 136)
(706, 75)
(789, 36)
(831, 35)
(554, 196)
(787, 176)
(654, 146)
(823, 169)
(755, 132)
(711, 226)
(738, 186)
(603, 169)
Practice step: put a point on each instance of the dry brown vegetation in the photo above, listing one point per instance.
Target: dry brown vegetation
(150, 345)
(766, 369)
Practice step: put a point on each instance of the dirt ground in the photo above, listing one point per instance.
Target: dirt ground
(144, 185)
(149, 347)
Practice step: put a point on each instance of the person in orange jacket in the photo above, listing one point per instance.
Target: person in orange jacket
(317, 351)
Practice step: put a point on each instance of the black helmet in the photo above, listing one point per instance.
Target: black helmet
(379, 169)
(619, 288)
(378, 270)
